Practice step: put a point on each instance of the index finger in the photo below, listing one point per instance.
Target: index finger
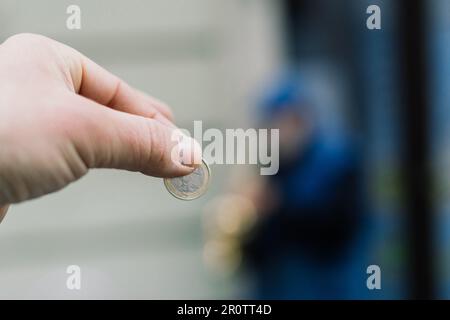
(96, 83)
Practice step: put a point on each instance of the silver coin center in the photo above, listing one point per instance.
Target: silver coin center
(190, 183)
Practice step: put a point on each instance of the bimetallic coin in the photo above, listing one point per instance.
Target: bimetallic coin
(192, 186)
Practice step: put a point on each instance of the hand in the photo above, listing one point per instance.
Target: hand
(61, 114)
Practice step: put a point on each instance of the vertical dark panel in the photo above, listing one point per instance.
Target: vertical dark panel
(292, 10)
(416, 152)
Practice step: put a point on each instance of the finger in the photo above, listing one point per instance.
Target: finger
(114, 139)
(161, 106)
(107, 89)
(94, 82)
(133, 101)
(3, 211)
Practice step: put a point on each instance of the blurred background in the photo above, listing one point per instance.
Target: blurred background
(363, 174)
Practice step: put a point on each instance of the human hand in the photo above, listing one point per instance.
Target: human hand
(61, 114)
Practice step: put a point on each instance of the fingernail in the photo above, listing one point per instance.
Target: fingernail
(190, 152)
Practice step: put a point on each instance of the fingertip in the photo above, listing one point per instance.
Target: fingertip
(163, 108)
(183, 170)
(190, 152)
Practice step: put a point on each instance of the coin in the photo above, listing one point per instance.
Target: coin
(192, 186)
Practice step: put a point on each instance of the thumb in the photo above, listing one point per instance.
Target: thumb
(115, 139)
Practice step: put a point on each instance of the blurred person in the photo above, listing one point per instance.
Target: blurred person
(61, 115)
(306, 242)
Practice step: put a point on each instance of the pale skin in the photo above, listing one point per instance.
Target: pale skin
(61, 115)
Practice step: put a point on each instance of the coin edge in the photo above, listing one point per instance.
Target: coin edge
(196, 197)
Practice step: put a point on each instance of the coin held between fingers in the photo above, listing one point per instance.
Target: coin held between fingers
(192, 186)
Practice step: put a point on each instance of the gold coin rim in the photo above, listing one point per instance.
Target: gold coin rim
(197, 194)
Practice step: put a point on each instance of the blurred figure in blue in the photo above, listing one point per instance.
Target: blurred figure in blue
(308, 241)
